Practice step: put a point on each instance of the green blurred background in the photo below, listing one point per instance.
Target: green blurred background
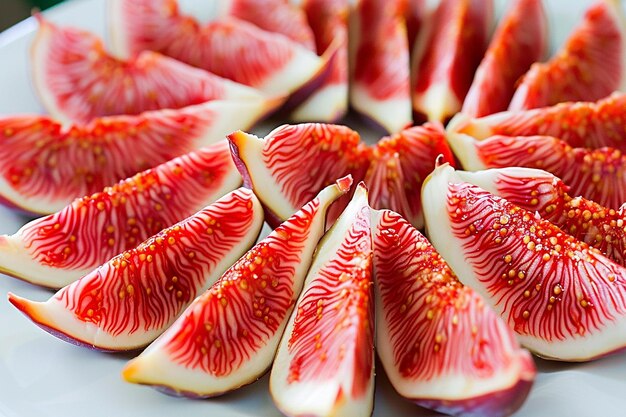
(12, 11)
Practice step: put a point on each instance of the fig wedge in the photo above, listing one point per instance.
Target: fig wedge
(325, 361)
(228, 336)
(520, 40)
(294, 162)
(379, 55)
(590, 65)
(446, 55)
(543, 193)
(56, 250)
(596, 174)
(77, 80)
(434, 335)
(131, 299)
(580, 124)
(400, 163)
(227, 46)
(45, 165)
(329, 21)
(565, 300)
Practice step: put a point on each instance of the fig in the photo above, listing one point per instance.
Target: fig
(414, 16)
(520, 40)
(581, 124)
(55, 250)
(128, 301)
(441, 345)
(44, 164)
(379, 57)
(325, 360)
(294, 162)
(329, 21)
(400, 163)
(565, 300)
(446, 55)
(596, 174)
(541, 192)
(227, 46)
(228, 336)
(277, 16)
(589, 66)
(77, 80)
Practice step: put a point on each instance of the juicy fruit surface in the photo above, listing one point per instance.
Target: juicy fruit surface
(78, 80)
(380, 86)
(520, 40)
(138, 293)
(580, 124)
(448, 55)
(588, 67)
(545, 283)
(431, 328)
(229, 47)
(400, 163)
(596, 174)
(95, 228)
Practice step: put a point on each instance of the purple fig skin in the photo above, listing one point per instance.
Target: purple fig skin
(495, 404)
(271, 218)
(167, 390)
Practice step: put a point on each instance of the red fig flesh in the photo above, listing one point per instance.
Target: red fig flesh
(228, 336)
(131, 299)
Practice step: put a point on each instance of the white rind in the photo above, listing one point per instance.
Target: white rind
(393, 115)
(325, 105)
(464, 147)
(303, 67)
(320, 398)
(117, 29)
(438, 102)
(611, 337)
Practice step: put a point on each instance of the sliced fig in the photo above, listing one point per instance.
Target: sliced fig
(278, 16)
(294, 162)
(565, 300)
(131, 299)
(440, 344)
(379, 54)
(229, 335)
(400, 163)
(590, 65)
(329, 21)
(448, 51)
(56, 250)
(44, 165)
(229, 47)
(580, 124)
(325, 361)
(541, 192)
(77, 80)
(596, 174)
(520, 40)
(414, 16)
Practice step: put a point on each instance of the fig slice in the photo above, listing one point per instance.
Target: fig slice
(294, 162)
(400, 163)
(580, 124)
(227, 46)
(329, 21)
(541, 192)
(379, 55)
(565, 300)
(434, 335)
(447, 53)
(325, 361)
(77, 80)
(128, 301)
(589, 66)
(228, 336)
(596, 174)
(55, 250)
(44, 165)
(414, 15)
(520, 40)
(278, 16)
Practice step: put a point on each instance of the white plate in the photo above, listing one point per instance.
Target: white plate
(42, 376)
